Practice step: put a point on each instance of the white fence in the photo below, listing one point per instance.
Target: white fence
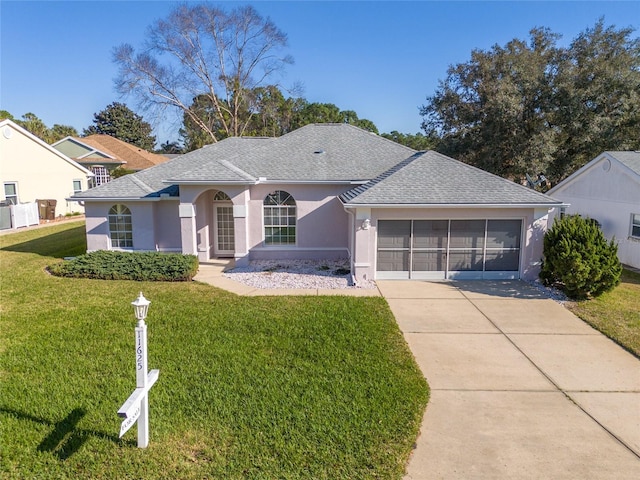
(22, 215)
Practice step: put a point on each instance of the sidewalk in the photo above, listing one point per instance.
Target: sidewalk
(520, 387)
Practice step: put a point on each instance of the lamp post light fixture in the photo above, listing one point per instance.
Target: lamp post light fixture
(141, 307)
(136, 408)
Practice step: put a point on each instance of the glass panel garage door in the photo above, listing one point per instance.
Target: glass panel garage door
(439, 249)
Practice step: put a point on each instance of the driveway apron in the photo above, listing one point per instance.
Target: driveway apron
(520, 387)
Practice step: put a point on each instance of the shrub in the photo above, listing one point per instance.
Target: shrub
(578, 259)
(141, 266)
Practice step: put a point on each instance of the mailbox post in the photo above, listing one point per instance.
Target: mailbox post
(136, 408)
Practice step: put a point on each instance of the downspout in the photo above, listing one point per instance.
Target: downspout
(351, 248)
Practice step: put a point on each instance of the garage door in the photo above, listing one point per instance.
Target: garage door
(448, 249)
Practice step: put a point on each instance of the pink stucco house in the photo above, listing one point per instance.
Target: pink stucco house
(326, 191)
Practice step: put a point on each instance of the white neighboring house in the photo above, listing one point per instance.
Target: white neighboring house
(607, 189)
(31, 170)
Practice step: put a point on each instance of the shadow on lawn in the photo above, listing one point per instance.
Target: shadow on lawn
(53, 245)
(65, 439)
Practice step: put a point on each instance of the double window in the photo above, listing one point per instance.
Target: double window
(279, 219)
(101, 175)
(120, 227)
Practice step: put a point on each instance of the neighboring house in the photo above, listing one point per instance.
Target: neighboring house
(102, 154)
(607, 189)
(31, 170)
(327, 191)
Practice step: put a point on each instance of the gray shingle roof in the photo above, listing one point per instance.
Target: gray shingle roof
(327, 153)
(434, 179)
(630, 159)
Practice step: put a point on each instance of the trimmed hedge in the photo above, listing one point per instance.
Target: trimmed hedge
(578, 259)
(141, 266)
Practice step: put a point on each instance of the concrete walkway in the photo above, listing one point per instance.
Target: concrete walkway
(520, 387)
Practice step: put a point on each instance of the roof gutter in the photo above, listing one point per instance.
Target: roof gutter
(456, 205)
(119, 199)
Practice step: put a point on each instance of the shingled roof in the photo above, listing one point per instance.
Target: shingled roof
(132, 157)
(384, 171)
(430, 178)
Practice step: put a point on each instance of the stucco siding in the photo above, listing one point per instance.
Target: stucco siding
(534, 225)
(97, 225)
(167, 226)
(610, 194)
(321, 228)
(38, 172)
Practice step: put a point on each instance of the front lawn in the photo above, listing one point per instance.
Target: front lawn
(255, 387)
(616, 313)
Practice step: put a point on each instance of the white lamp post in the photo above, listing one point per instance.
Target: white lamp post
(136, 408)
(141, 307)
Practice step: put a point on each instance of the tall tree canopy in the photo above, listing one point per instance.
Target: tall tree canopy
(204, 58)
(531, 107)
(32, 123)
(272, 115)
(119, 121)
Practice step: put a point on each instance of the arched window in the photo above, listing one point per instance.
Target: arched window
(279, 219)
(221, 197)
(120, 228)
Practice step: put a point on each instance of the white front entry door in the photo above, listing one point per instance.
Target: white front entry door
(224, 239)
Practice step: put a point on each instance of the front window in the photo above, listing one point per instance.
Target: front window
(101, 175)
(77, 186)
(279, 219)
(120, 227)
(635, 225)
(11, 193)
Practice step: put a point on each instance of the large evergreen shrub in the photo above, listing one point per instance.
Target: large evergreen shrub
(142, 266)
(578, 259)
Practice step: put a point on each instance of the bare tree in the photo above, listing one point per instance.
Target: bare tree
(201, 51)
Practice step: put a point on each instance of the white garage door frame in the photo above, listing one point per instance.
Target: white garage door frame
(479, 246)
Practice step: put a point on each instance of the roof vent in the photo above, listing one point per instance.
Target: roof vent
(319, 151)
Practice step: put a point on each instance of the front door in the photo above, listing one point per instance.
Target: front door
(223, 237)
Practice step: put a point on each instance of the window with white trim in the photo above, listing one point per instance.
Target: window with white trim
(120, 227)
(77, 186)
(101, 175)
(11, 193)
(279, 219)
(635, 225)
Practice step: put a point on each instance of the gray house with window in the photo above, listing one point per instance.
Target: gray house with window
(326, 191)
(607, 189)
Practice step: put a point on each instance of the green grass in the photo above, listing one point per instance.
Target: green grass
(249, 387)
(616, 313)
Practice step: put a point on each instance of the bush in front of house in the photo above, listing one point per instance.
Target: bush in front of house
(578, 259)
(141, 266)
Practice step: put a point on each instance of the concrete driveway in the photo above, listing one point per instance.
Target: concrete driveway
(520, 387)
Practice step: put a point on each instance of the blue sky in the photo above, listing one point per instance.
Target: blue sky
(381, 59)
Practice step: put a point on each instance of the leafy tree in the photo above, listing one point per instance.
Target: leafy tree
(599, 96)
(578, 259)
(4, 115)
(272, 115)
(532, 107)
(119, 121)
(58, 132)
(330, 113)
(170, 147)
(417, 141)
(213, 62)
(35, 125)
